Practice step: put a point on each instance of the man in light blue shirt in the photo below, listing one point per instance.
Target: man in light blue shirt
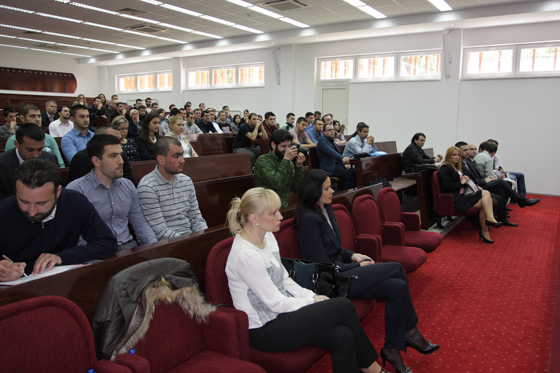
(361, 142)
(315, 132)
(114, 197)
(78, 137)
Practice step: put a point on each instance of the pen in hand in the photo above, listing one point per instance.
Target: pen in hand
(11, 261)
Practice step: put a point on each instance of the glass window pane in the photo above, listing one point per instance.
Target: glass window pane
(337, 69)
(490, 62)
(251, 75)
(540, 59)
(165, 81)
(199, 78)
(127, 83)
(223, 77)
(376, 67)
(420, 65)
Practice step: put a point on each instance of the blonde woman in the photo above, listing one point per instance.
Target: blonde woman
(176, 126)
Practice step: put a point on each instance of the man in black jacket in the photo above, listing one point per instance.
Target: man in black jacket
(414, 159)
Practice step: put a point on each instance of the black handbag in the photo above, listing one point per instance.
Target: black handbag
(320, 277)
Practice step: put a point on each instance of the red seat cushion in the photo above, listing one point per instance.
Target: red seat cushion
(210, 361)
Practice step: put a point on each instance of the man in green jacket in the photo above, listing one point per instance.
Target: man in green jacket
(282, 168)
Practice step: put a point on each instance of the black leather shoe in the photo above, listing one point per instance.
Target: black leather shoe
(528, 202)
(509, 223)
(424, 351)
(495, 224)
(509, 209)
(481, 237)
(385, 358)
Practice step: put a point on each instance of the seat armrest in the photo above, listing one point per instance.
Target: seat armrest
(411, 221)
(370, 245)
(445, 205)
(393, 233)
(242, 323)
(124, 363)
(220, 334)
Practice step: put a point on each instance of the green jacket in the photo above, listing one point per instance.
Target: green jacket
(277, 174)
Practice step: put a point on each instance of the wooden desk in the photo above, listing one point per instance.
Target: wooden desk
(210, 143)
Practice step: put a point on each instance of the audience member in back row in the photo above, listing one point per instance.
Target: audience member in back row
(147, 139)
(8, 129)
(128, 144)
(63, 124)
(361, 142)
(44, 225)
(190, 126)
(269, 123)
(50, 114)
(77, 138)
(282, 168)
(300, 134)
(114, 197)
(315, 131)
(81, 164)
(134, 124)
(242, 142)
(414, 159)
(331, 161)
(167, 196)
(29, 113)
(206, 124)
(29, 143)
(176, 126)
(290, 120)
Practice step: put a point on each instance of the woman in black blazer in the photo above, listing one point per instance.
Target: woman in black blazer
(147, 139)
(319, 240)
(452, 181)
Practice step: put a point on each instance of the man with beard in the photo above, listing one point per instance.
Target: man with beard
(63, 124)
(44, 225)
(282, 168)
(331, 161)
(167, 196)
(114, 197)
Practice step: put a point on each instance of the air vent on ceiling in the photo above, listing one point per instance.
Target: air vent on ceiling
(132, 12)
(284, 5)
(149, 29)
(50, 46)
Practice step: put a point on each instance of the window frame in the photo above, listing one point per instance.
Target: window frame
(375, 78)
(526, 74)
(236, 74)
(252, 65)
(468, 76)
(137, 76)
(335, 59)
(423, 52)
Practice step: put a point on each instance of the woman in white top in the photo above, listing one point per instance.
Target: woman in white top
(176, 126)
(282, 315)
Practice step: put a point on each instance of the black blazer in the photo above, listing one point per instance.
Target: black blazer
(45, 120)
(450, 182)
(320, 243)
(145, 149)
(471, 170)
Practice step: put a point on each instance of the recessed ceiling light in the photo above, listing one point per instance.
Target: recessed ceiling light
(85, 6)
(293, 22)
(16, 9)
(13, 46)
(266, 12)
(103, 26)
(207, 34)
(240, 3)
(43, 50)
(181, 10)
(74, 54)
(59, 17)
(138, 18)
(241, 27)
(372, 12)
(217, 20)
(441, 5)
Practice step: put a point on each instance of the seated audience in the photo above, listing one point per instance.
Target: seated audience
(315, 131)
(339, 132)
(121, 110)
(128, 144)
(361, 142)
(310, 117)
(245, 118)
(518, 177)
(190, 126)
(290, 120)
(29, 143)
(114, 197)
(112, 107)
(50, 114)
(269, 123)
(81, 164)
(237, 121)
(63, 124)
(242, 142)
(44, 225)
(141, 112)
(176, 126)
(164, 124)
(167, 196)
(206, 124)
(97, 110)
(319, 240)
(414, 159)
(282, 315)
(465, 193)
(147, 139)
(8, 129)
(331, 161)
(29, 113)
(77, 138)
(134, 124)
(80, 100)
(103, 100)
(300, 134)
(282, 168)
(225, 126)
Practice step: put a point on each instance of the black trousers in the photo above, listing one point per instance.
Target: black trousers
(348, 176)
(503, 188)
(387, 281)
(333, 325)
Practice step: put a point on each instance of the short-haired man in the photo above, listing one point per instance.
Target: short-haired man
(97, 110)
(50, 114)
(310, 117)
(10, 127)
(138, 104)
(30, 113)
(29, 143)
(282, 168)
(112, 108)
(248, 132)
(167, 196)
(197, 115)
(270, 123)
(290, 119)
(331, 161)
(148, 102)
(225, 109)
(414, 159)
(362, 142)
(300, 134)
(190, 126)
(154, 107)
(225, 126)
(206, 124)
(44, 225)
(77, 138)
(114, 197)
(121, 110)
(81, 164)
(63, 124)
(202, 106)
(141, 112)
(518, 177)
(315, 132)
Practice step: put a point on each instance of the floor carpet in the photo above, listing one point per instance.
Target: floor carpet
(490, 307)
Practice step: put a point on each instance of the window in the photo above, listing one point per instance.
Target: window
(145, 82)
(337, 69)
(420, 65)
(490, 61)
(223, 77)
(539, 59)
(199, 79)
(251, 75)
(376, 67)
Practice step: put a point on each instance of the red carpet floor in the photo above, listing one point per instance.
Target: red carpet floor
(490, 307)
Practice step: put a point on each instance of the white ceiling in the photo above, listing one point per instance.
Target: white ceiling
(328, 20)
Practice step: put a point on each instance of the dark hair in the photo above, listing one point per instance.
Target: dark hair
(417, 136)
(491, 148)
(289, 115)
(279, 136)
(359, 127)
(138, 99)
(160, 110)
(327, 115)
(31, 131)
(317, 113)
(121, 103)
(174, 112)
(7, 110)
(308, 114)
(113, 96)
(141, 107)
(96, 146)
(317, 120)
(103, 127)
(236, 116)
(162, 145)
(301, 119)
(146, 125)
(147, 98)
(251, 115)
(310, 190)
(224, 107)
(59, 109)
(36, 172)
(460, 143)
(190, 113)
(207, 111)
(269, 114)
(75, 108)
(483, 145)
(171, 106)
(194, 111)
(492, 140)
(26, 108)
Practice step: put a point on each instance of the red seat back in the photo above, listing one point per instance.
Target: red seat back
(366, 216)
(346, 227)
(436, 189)
(287, 239)
(390, 205)
(217, 289)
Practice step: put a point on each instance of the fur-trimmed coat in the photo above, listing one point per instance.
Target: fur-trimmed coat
(128, 301)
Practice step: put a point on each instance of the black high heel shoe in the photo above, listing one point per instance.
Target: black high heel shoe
(486, 240)
(497, 224)
(385, 358)
(432, 347)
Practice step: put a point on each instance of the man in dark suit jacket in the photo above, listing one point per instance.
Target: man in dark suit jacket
(29, 143)
(50, 115)
(330, 159)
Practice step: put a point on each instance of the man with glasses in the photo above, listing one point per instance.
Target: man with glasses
(330, 159)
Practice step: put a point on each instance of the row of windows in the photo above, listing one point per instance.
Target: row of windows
(145, 82)
(226, 77)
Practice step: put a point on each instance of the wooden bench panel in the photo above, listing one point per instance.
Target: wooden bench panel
(210, 143)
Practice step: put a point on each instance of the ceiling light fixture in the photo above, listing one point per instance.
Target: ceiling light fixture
(75, 54)
(13, 46)
(240, 3)
(293, 22)
(366, 8)
(441, 5)
(59, 17)
(217, 20)
(85, 6)
(181, 10)
(43, 50)
(266, 12)
(245, 28)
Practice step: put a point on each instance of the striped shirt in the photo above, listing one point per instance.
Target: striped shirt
(117, 206)
(170, 208)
